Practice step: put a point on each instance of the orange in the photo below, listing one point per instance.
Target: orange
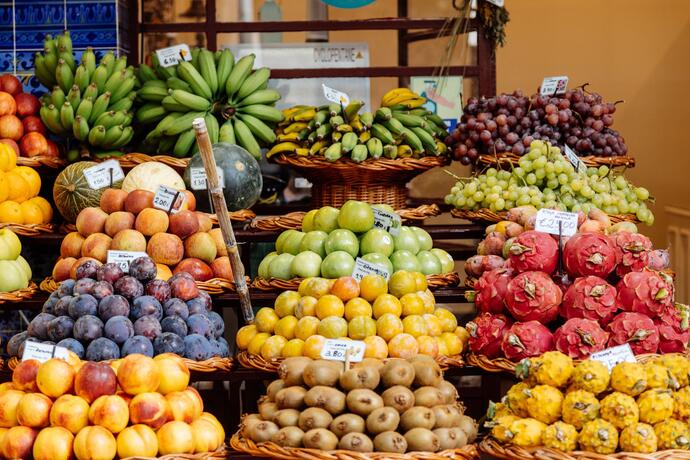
(292, 348)
(427, 345)
(412, 304)
(372, 286)
(306, 307)
(11, 212)
(346, 288)
(314, 287)
(442, 348)
(19, 188)
(329, 305)
(463, 334)
(306, 327)
(45, 207)
(31, 177)
(31, 213)
(333, 327)
(313, 345)
(4, 187)
(387, 303)
(434, 327)
(245, 335)
(428, 299)
(8, 158)
(286, 327)
(414, 325)
(453, 343)
(266, 319)
(376, 347)
(448, 321)
(272, 347)
(402, 282)
(388, 326)
(285, 303)
(361, 327)
(403, 346)
(420, 281)
(357, 307)
(257, 342)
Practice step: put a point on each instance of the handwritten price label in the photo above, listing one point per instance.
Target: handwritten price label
(168, 199)
(124, 258)
(42, 352)
(556, 222)
(572, 157)
(388, 221)
(99, 176)
(552, 86)
(337, 350)
(615, 355)
(334, 95)
(363, 268)
(197, 178)
(168, 57)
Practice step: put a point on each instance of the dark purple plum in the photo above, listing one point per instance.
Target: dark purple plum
(102, 349)
(215, 348)
(196, 306)
(84, 286)
(143, 268)
(73, 345)
(183, 286)
(222, 346)
(15, 342)
(148, 326)
(82, 304)
(218, 324)
(113, 305)
(102, 289)
(176, 307)
(66, 288)
(159, 289)
(200, 324)
(38, 327)
(49, 305)
(137, 344)
(174, 324)
(129, 287)
(88, 328)
(206, 298)
(88, 269)
(144, 306)
(60, 328)
(118, 329)
(20, 350)
(110, 273)
(61, 308)
(197, 347)
(168, 342)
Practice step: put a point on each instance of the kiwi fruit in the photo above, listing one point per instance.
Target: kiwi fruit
(417, 417)
(445, 416)
(369, 362)
(286, 417)
(320, 438)
(248, 421)
(357, 442)
(322, 372)
(398, 397)
(457, 411)
(360, 377)
(268, 410)
(262, 431)
(273, 388)
(327, 398)
(314, 417)
(397, 372)
(291, 370)
(291, 398)
(469, 426)
(450, 393)
(289, 436)
(428, 397)
(390, 441)
(427, 373)
(363, 401)
(451, 438)
(383, 419)
(422, 439)
(347, 423)
(422, 358)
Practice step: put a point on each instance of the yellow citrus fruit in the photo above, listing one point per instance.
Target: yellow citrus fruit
(31, 177)
(420, 281)
(286, 327)
(427, 345)
(357, 307)
(257, 342)
(433, 325)
(388, 326)
(315, 287)
(372, 286)
(19, 188)
(386, 303)
(285, 303)
(448, 321)
(453, 343)
(11, 212)
(313, 345)
(329, 305)
(376, 347)
(412, 304)
(8, 158)
(442, 348)
(346, 288)
(266, 319)
(292, 348)
(428, 299)
(306, 327)
(361, 327)
(333, 327)
(414, 325)
(45, 208)
(306, 307)
(403, 346)
(463, 334)
(402, 282)
(272, 347)
(244, 335)
(4, 187)
(31, 213)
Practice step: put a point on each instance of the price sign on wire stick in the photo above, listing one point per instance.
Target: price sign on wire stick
(342, 350)
(197, 178)
(168, 199)
(556, 222)
(552, 86)
(172, 55)
(42, 352)
(388, 221)
(104, 174)
(615, 355)
(124, 258)
(363, 268)
(574, 160)
(334, 95)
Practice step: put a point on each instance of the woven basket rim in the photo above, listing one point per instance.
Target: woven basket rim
(220, 453)
(371, 164)
(215, 364)
(487, 215)
(506, 158)
(433, 281)
(20, 294)
(42, 161)
(30, 229)
(214, 286)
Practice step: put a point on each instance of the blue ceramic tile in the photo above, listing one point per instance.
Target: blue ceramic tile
(6, 62)
(91, 14)
(32, 37)
(100, 38)
(39, 13)
(6, 15)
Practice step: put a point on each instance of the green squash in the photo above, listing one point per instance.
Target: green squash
(72, 193)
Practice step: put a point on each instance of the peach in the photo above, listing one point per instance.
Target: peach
(201, 246)
(206, 436)
(138, 200)
(175, 438)
(212, 418)
(110, 412)
(94, 442)
(199, 269)
(151, 409)
(125, 396)
(183, 407)
(221, 268)
(115, 365)
(129, 240)
(96, 246)
(53, 443)
(163, 272)
(205, 222)
(184, 223)
(55, 378)
(24, 375)
(189, 200)
(173, 372)
(138, 374)
(113, 200)
(78, 263)
(6, 386)
(198, 402)
(94, 380)
(137, 441)
(117, 221)
(151, 221)
(221, 248)
(70, 412)
(91, 220)
(165, 248)
(9, 401)
(18, 442)
(33, 410)
(71, 245)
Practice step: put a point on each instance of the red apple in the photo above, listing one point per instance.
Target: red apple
(10, 84)
(53, 149)
(199, 270)
(32, 124)
(33, 144)
(27, 104)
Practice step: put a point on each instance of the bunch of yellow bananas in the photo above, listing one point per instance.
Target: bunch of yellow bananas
(401, 99)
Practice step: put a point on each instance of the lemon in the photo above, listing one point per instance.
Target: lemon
(286, 327)
(414, 325)
(448, 321)
(244, 335)
(453, 343)
(266, 319)
(333, 327)
(306, 327)
(293, 347)
(388, 326)
(285, 303)
(386, 303)
(361, 327)
(257, 342)
(329, 305)
(272, 347)
(357, 307)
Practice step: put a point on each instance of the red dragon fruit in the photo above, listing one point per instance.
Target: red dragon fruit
(534, 251)
(648, 292)
(658, 259)
(524, 340)
(533, 296)
(590, 297)
(632, 250)
(579, 338)
(674, 329)
(486, 333)
(491, 290)
(589, 254)
(636, 329)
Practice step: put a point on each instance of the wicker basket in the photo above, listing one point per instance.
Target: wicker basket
(30, 229)
(19, 295)
(487, 215)
(242, 215)
(41, 160)
(220, 453)
(130, 160)
(214, 286)
(433, 281)
(506, 159)
(215, 364)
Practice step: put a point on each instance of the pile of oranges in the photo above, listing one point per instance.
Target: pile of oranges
(19, 187)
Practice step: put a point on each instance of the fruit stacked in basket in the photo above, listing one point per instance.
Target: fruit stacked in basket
(19, 187)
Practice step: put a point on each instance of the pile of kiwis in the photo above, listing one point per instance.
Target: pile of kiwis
(398, 406)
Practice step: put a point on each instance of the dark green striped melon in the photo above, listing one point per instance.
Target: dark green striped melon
(72, 193)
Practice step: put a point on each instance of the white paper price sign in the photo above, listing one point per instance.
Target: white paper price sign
(301, 182)
(197, 177)
(556, 222)
(551, 86)
(168, 199)
(388, 221)
(124, 258)
(343, 350)
(334, 95)
(172, 55)
(614, 355)
(42, 352)
(104, 174)
(364, 268)
(572, 157)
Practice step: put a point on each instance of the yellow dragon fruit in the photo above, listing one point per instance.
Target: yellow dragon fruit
(561, 436)
(500, 428)
(681, 399)
(629, 378)
(655, 405)
(598, 436)
(516, 399)
(672, 434)
(527, 432)
(619, 409)
(677, 364)
(544, 403)
(555, 369)
(638, 437)
(592, 376)
(659, 377)
(580, 407)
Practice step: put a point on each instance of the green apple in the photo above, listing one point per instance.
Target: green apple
(292, 242)
(356, 216)
(380, 259)
(405, 260)
(281, 267)
(383, 207)
(12, 276)
(314, 241)
(10, 246)
(377, 240)
(306, 264)
(308, 221)
(280, 241)
(25, 266)
(263, 266)
(406, 240)
(337, 264)
(447, 262)
(342, 240)
(429, 263)
(326, 219)
(425, 241)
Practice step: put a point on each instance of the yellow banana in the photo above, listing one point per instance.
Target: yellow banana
(295, 128)
(282, 147)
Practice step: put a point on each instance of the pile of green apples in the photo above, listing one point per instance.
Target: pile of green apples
(15, 272)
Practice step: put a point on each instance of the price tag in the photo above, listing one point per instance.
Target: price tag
(168, 57)
(337, 350)
(578, 164)
(551, 86)
(124, 258)
(198, 178)
(363, 268)
(548, 221)
(388, 221)
(614, 355)
(334, 95)
(42, 352)
(301, 182)
(168, 199)
(99, 177)
(498, 3)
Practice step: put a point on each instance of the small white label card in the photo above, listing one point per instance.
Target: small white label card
(197, 177)
(343, 350)
(556, 222)
(388, 221)
(104, 174)
(614, 355)
(363, 268)
(334, 95)
(572, 157)
(168, 199)
(124, 258)
(551, 86)
(42, 352)
(301, 182)
(172, 55)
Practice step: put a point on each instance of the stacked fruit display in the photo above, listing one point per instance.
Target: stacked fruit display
(370, 310)
(138, 407)
(400, 128)
(332, 238)
(89, 102)
(212, 86)
(546, 179)
(633, 408)
(19, 187)
(397, 407)
(108, 313)
(15, 272)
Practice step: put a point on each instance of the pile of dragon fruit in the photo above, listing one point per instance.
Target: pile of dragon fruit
(600, 292)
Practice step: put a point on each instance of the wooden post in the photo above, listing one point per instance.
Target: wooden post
(221, 208)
